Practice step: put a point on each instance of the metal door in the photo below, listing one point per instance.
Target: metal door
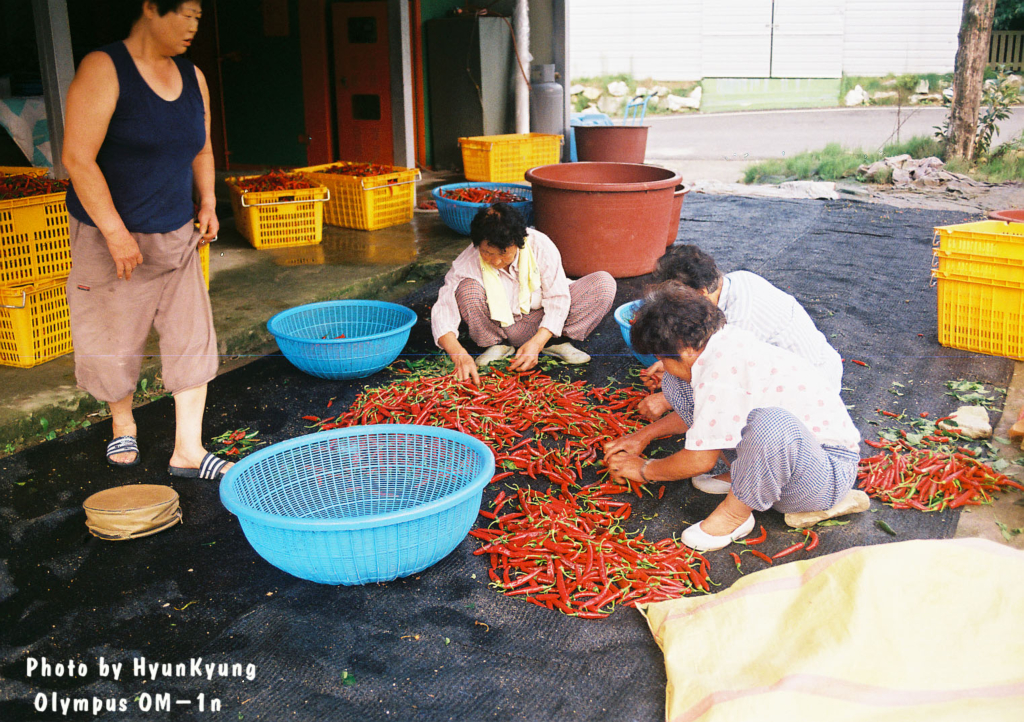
(362, 81)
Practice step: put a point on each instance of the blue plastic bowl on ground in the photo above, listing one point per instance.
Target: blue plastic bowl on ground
(623, 315)
(374, 332)
(457, 215)
(359, 505)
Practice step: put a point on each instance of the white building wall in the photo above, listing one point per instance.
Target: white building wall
(657, 39)
(683, 39)
(900, 36)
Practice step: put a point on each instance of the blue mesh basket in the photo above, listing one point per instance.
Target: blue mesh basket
(457, 215)
(359, 505)
(623, 315)
(375, 332)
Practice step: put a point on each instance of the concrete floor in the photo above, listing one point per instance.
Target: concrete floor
(248, 286)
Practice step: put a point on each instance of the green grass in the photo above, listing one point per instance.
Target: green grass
(834, 163)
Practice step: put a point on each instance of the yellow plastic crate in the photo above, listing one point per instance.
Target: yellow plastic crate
(977, 268)
(367, 203)
(22, 170)
(985, 317)
(275, 219)
(35, 325)
(34, 239)
(506, 158)
(994, 239)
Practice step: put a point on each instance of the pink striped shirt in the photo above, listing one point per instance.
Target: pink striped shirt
(553, 295)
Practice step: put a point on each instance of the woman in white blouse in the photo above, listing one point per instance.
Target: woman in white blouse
(510, 289)
(792, 444)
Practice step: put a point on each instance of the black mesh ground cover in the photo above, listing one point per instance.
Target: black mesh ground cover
(438, 645)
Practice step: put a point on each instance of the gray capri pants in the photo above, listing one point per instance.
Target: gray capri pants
(111, 318)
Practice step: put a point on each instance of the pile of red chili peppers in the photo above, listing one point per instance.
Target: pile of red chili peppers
(25, 186)
(561, 549)
(482, 195)
(359, 169)
(906, 477)
(567, 551)
(273, 180)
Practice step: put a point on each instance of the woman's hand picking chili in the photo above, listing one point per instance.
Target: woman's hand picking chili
(651, 376)
(465, 367)
(526, 356)
(654, 407)
(631, 444)
(625, 467)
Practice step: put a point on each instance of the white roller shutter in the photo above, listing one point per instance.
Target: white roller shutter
(737, 38)
(807, 39)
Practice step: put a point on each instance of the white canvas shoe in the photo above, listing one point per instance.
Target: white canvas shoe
(699, 540)
(710, 485)
(567, 352)
(494, 353)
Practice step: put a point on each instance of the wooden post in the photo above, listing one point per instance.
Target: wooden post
(971, 58)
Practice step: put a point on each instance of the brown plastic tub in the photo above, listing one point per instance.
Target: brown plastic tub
(604, 216)
(611, 143)
(677, 210)
(1012, 216)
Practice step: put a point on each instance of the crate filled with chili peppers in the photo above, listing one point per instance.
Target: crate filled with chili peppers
(458, 203)
(366, 196)
(34, 238)
(278, 209)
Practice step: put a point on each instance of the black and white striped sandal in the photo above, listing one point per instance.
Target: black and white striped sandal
(210, 469)
(123, 445)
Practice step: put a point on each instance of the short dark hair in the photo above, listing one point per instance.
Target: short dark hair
(689, 265)
(162, 6)
(674, 316)
(500, 225)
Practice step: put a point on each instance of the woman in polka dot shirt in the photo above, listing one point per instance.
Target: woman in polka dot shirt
(791, 441)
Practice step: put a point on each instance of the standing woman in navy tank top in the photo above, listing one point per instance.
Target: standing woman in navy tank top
(136, 145)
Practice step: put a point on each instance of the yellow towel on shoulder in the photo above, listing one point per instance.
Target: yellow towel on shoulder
(497, 299)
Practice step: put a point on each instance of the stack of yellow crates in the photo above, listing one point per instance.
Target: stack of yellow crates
(980, 272)
(35, 259)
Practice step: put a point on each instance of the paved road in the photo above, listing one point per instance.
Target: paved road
(776, 134)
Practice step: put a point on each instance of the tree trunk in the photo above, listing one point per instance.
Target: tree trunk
(971, 58)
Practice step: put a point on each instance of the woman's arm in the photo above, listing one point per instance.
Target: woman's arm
(202, 172)
(92, 98)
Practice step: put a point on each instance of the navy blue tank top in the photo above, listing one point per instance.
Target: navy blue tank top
(148, 151)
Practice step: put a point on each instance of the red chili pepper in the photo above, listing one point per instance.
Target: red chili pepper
(859, 363)
(736, 560)
(661, 491)
(812, 542)
(751, 542)
(788, 550)
(760, 555)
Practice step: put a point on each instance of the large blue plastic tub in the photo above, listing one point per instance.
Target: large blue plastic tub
(457, 215)
(359, 505)
(374, 332)
(623, 315)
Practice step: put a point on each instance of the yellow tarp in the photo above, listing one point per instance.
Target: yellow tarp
(918, 630)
